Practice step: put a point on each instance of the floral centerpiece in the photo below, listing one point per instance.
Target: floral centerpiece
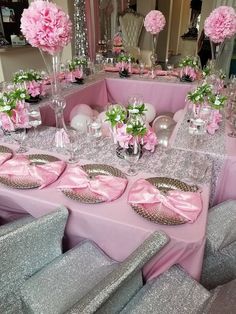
(124, 64)
(47, 27)
(13, 113)
(206, 105)
(117, 47)
(219, 26)
(129, 129)
(215, 78)
(76, 69)
(33, 81)
(154, 23)
(189, 69)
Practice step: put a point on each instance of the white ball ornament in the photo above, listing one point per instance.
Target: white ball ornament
(163, 123)
(150, 112)
(178, 115)
(79, 122)
(81, 109)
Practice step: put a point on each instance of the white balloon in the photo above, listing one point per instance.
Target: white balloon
(163, 137)
(102, 116)
(150, 113)
(79, 122)
(178, 115)
(81, 109)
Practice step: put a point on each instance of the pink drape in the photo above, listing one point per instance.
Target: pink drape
(92, 21)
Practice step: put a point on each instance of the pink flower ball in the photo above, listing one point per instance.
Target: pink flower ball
(46, 26)
(220, 24)
(154, 22)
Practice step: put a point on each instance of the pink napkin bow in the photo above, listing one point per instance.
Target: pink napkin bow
(4, 157)
(185, 204)
(109, 187)
(20, 166)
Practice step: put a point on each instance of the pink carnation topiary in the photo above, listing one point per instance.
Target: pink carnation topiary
(46, 26)
(220, 24)
(154, 22)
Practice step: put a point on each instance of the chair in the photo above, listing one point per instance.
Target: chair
(85, 280)
(175, 292)
(26, 246)
(219, 265)
(131, 24)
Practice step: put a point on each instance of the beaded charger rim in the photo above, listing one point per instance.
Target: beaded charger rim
(164, 184)
(5, 149)
(93, 170)
(21, 182)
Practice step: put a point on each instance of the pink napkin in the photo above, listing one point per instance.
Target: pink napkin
(169, 73)
(109, 187)
(4, 157)
(111, 69)
(186, 204)
(20, 167)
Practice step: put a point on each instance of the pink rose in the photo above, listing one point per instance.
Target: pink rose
(150, 140)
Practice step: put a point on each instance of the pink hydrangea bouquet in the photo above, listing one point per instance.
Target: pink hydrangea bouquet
(154, 22)
(46, 26)
(13, 113)
(117, 44)
(220, 24)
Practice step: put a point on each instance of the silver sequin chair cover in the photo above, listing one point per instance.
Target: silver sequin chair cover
(219, 265)
(175, 292)
(85, 280)
(26, 245)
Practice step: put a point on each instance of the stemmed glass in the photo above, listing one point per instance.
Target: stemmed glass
(19, 136)
(141, 68)
(132, 155)
(72, 145)
(34, 119)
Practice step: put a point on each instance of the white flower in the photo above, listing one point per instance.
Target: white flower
(134, 110)
(117, 118)
(22, 95)
(6, 108)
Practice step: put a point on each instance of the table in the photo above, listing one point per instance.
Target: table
(164, 94)
(220, 148)
(114, 226)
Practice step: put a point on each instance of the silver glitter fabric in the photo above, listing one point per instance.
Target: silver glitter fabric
(25, 250)
(223, 300)
(80, 28)
(172, 292)
(219, 264)
(66, 280)
(213, 146)
(116, 280)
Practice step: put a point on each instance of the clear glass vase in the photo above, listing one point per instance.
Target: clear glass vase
(57, 101)
(153, 57)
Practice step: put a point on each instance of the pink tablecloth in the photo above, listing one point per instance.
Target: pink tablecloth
(165, 96)
(116, 228)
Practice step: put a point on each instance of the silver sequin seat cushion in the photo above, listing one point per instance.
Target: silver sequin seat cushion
(26, 246)
(58, 286)
(223, 299)
(172, 292)
(219, 264)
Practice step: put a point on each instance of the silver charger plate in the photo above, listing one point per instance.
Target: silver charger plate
(23, 183)
(86, 196)
(154, 212)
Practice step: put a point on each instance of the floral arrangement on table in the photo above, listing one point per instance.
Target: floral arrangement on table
(117, 46)
(154, 23)
(204, 97)
(124, 64)
(76, 72)
(33, 81)
(46, 26)
(13, 113)
(189, 69)
(215, 78)
(220, 24)
(127, 129)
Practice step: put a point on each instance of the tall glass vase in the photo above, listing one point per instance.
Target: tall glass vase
(57, 101)
(221, 55)
(153, 57)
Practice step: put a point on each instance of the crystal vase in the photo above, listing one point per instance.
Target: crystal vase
(153, 57)
(221, 55)
(57, 101)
